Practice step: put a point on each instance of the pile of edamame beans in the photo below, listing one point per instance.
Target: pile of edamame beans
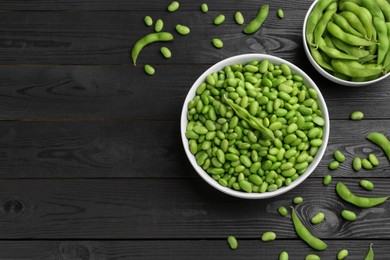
(254, 127)
(350, 38)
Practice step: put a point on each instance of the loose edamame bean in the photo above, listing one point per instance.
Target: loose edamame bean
(204, 8)
(348, 215)
(239, 18)
(339, 156)
(373, 160)
(357, 164)
(366, 184)
(362, 202)
(334, 165)
(305, 234)
(318, 218)
(220, 19)
(174, 6)
(370, 253)
(256, 23)
(232, 241)
(217, 43)
(366, 164)
(159, 25)
(166, 52)
(312, 257)
(342, 254)
(357, 115)
(327, 180)
(148, 20)
(283, 256)
(380, 140)
(182, 29)
(148, 39)
(297, 200)
(283, 211)
(149, 69)
(268, 236)
(280, 13)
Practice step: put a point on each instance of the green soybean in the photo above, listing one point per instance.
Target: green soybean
(367, 164)
(312, 257)
(370, 253)
(327, 180)
(283, 255)
(305, 234)
(283, 211)
(268, 236)
(373, 160)
(297, 200)
(174, 6)
(256, 23)
(342, 254)
(339, 156)
(380, 140)
(217, 43)
(239, 18)
(159, 25)
(362, 202)
(232, 241)
(348, 215)
(148, 20)
(357, 115)
(357, 164)
(366, 184)
(182, 29)
(220, 19)
(317, 218)
(166, 52)
(280, 13)
(148, 39)
(334, 165)
(149, 70)
(204, 8)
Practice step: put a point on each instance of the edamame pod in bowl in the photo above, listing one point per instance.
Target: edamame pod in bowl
(254, 126)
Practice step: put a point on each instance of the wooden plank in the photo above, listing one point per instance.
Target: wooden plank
(177, 209)
(125, 92)
(107, 38)
(126, 149)
(120, 5)
(182, 249)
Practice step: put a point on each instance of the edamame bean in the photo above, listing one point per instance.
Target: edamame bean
(357, 115)
(148, 20)
(366, 184)
(357, 164)
(174, 6)
(312, 257)
(333, 165)
(370, 253)
(159, 25)
(283, 256)
(232, 241)
(283, 211)
(318, 218)
(280, 13)
(327, 180)
(366, 164)
(380, 140)
(342, 254)
(182, 29)
(305, 234)
(297, 200)
(166, 53)
(256, 23)
(239, 18)
(204, 8)
(348, 215)
(149, 70)
(148, 39)
(362, 202)
(268, 236)
(339, 156)
(220, 19)
(217, 43)
(373, 160)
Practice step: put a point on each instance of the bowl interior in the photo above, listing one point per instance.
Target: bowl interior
(242, 59)
(322, 71)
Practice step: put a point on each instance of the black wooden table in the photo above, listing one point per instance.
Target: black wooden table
(91, 161)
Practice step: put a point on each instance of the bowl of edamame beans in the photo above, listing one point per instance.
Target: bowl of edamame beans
(348, 41)
(254, 126)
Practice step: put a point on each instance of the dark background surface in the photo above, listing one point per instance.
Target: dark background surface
(91, 161)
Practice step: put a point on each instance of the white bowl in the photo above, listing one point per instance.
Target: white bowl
(322, 71)
(242, 59)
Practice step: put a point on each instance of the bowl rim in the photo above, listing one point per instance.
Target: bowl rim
(321, 70)
(242, 59)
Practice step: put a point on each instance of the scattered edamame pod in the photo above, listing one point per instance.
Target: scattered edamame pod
(348, 215)
(305, 234)
(268, 236)
(217, 43)
(380, 140)
(342, 254)
(220, 19)
(174, 6)
(239, 18)
(362, 202)
(317, 218)
(256, 23)
(357, 115)
(280, 13)
(149, 70)
(370, 253)
(148, 20)
(148, 39)
(166, 52)
(182, 29)
(366, 184)
(232, 241)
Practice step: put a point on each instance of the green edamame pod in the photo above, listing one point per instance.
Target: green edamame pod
(380, 140)
(385, 7)
(349, 49)
(345, 26)
(321, 26)
(332, 52)
(351, 39)
(354, 21)
(256, 23)
(148, 39)
(383, 48)
(305, 235)
(369, 5)
(362, 202)
(239, 18)
(364, 17)
(370, 253)
(386, 62)
(314, 17)
(355, 69)
(320, 59)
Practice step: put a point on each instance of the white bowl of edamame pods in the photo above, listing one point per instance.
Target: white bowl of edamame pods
(347, 41)
(254, 126)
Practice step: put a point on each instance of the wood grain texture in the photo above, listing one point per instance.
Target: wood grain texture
(179, 209)
(182, 249)
(125, 149)
(126, 92)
